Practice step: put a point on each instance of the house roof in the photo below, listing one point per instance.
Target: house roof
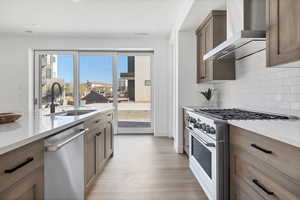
(94, 96)
(101, 84)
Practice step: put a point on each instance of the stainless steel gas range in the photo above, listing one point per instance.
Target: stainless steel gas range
(209, 146)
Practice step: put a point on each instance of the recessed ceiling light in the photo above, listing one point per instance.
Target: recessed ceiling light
(75, 1)
(28, 31)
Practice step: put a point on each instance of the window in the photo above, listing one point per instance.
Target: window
(56, 68)
(96, 80)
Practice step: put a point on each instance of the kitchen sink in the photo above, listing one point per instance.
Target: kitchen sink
(72, 113)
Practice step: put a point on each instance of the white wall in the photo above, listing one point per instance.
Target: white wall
(15, 83)
(260, 88)
(188, 89)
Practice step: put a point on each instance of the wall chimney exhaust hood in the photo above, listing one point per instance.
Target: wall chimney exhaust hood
(246, 35)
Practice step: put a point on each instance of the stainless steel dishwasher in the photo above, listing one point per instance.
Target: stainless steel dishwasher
(64, 164)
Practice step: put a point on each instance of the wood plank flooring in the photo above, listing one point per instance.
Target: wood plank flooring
(146, 168)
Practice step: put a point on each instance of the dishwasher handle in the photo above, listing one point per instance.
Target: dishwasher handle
(56, 146)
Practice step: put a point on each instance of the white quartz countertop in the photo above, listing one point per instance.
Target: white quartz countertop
(35, 126)
(286, 131)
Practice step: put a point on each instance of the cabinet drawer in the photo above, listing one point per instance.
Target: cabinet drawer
(267, 182)
(281, 156)
(243, 191)
(17, 164)
(30, 187)
(95, 122)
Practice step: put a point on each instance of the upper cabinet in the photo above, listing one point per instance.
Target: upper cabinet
(210, 34)
(283, 31)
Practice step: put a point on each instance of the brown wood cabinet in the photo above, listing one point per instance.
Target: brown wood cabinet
(108, 139)
(186, 135)
(22, 173)
(283, 31)
(98, 146)
(90, 156)
(210, 34)
(262, 168)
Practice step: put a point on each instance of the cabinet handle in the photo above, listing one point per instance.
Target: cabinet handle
(97, 121)
(98, 134)
(255, 181)
(261, 149)
(202, 77)
(9, 171)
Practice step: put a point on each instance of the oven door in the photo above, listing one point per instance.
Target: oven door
(203, 161)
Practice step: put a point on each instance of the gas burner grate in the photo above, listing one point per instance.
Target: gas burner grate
(237, 114)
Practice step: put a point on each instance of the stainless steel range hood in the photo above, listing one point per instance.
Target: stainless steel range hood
(245, 30)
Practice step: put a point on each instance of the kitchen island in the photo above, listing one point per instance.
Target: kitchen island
(37, 125)
(32, 168)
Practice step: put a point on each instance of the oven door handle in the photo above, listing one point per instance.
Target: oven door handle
(208, 144)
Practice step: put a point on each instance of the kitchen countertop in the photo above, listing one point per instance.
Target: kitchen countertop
(35, 126)
(287, 131)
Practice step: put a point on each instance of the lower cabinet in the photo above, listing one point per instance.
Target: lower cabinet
(22, 173)
(262, 168)
(90, 155)
(31, 187)
(186, 139)
(108, 139)
(98, 146)
(186, 135)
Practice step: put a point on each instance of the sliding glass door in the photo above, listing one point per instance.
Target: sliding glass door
(97, 79)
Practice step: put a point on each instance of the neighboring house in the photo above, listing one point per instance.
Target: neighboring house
(94, 97)
(138, 73)
(100, 85)
(97, 86)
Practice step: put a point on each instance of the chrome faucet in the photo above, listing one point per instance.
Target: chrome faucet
(52, 106)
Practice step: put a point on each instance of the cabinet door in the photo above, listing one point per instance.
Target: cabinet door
(90, 156)
(201, 71)
(30, 187)
(209, 42)
(108, 140)
(100, 148)
(283, 31)
(186, 141)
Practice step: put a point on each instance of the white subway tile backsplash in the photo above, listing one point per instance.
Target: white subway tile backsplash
(258, 87)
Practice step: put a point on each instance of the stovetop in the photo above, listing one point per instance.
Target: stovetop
(237, 114)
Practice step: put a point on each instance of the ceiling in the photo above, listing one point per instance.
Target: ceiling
(94, 18)
(199, 11)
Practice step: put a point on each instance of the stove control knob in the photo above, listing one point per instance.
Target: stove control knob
(196, 125)
(192, 120)
(207, 127)
(202, 126)
(211, 130)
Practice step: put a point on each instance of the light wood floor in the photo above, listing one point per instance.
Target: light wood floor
(146, 168)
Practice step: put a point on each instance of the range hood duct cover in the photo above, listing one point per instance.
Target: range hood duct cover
(246, 33)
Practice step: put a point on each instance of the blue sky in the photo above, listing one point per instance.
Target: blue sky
(92, 68)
